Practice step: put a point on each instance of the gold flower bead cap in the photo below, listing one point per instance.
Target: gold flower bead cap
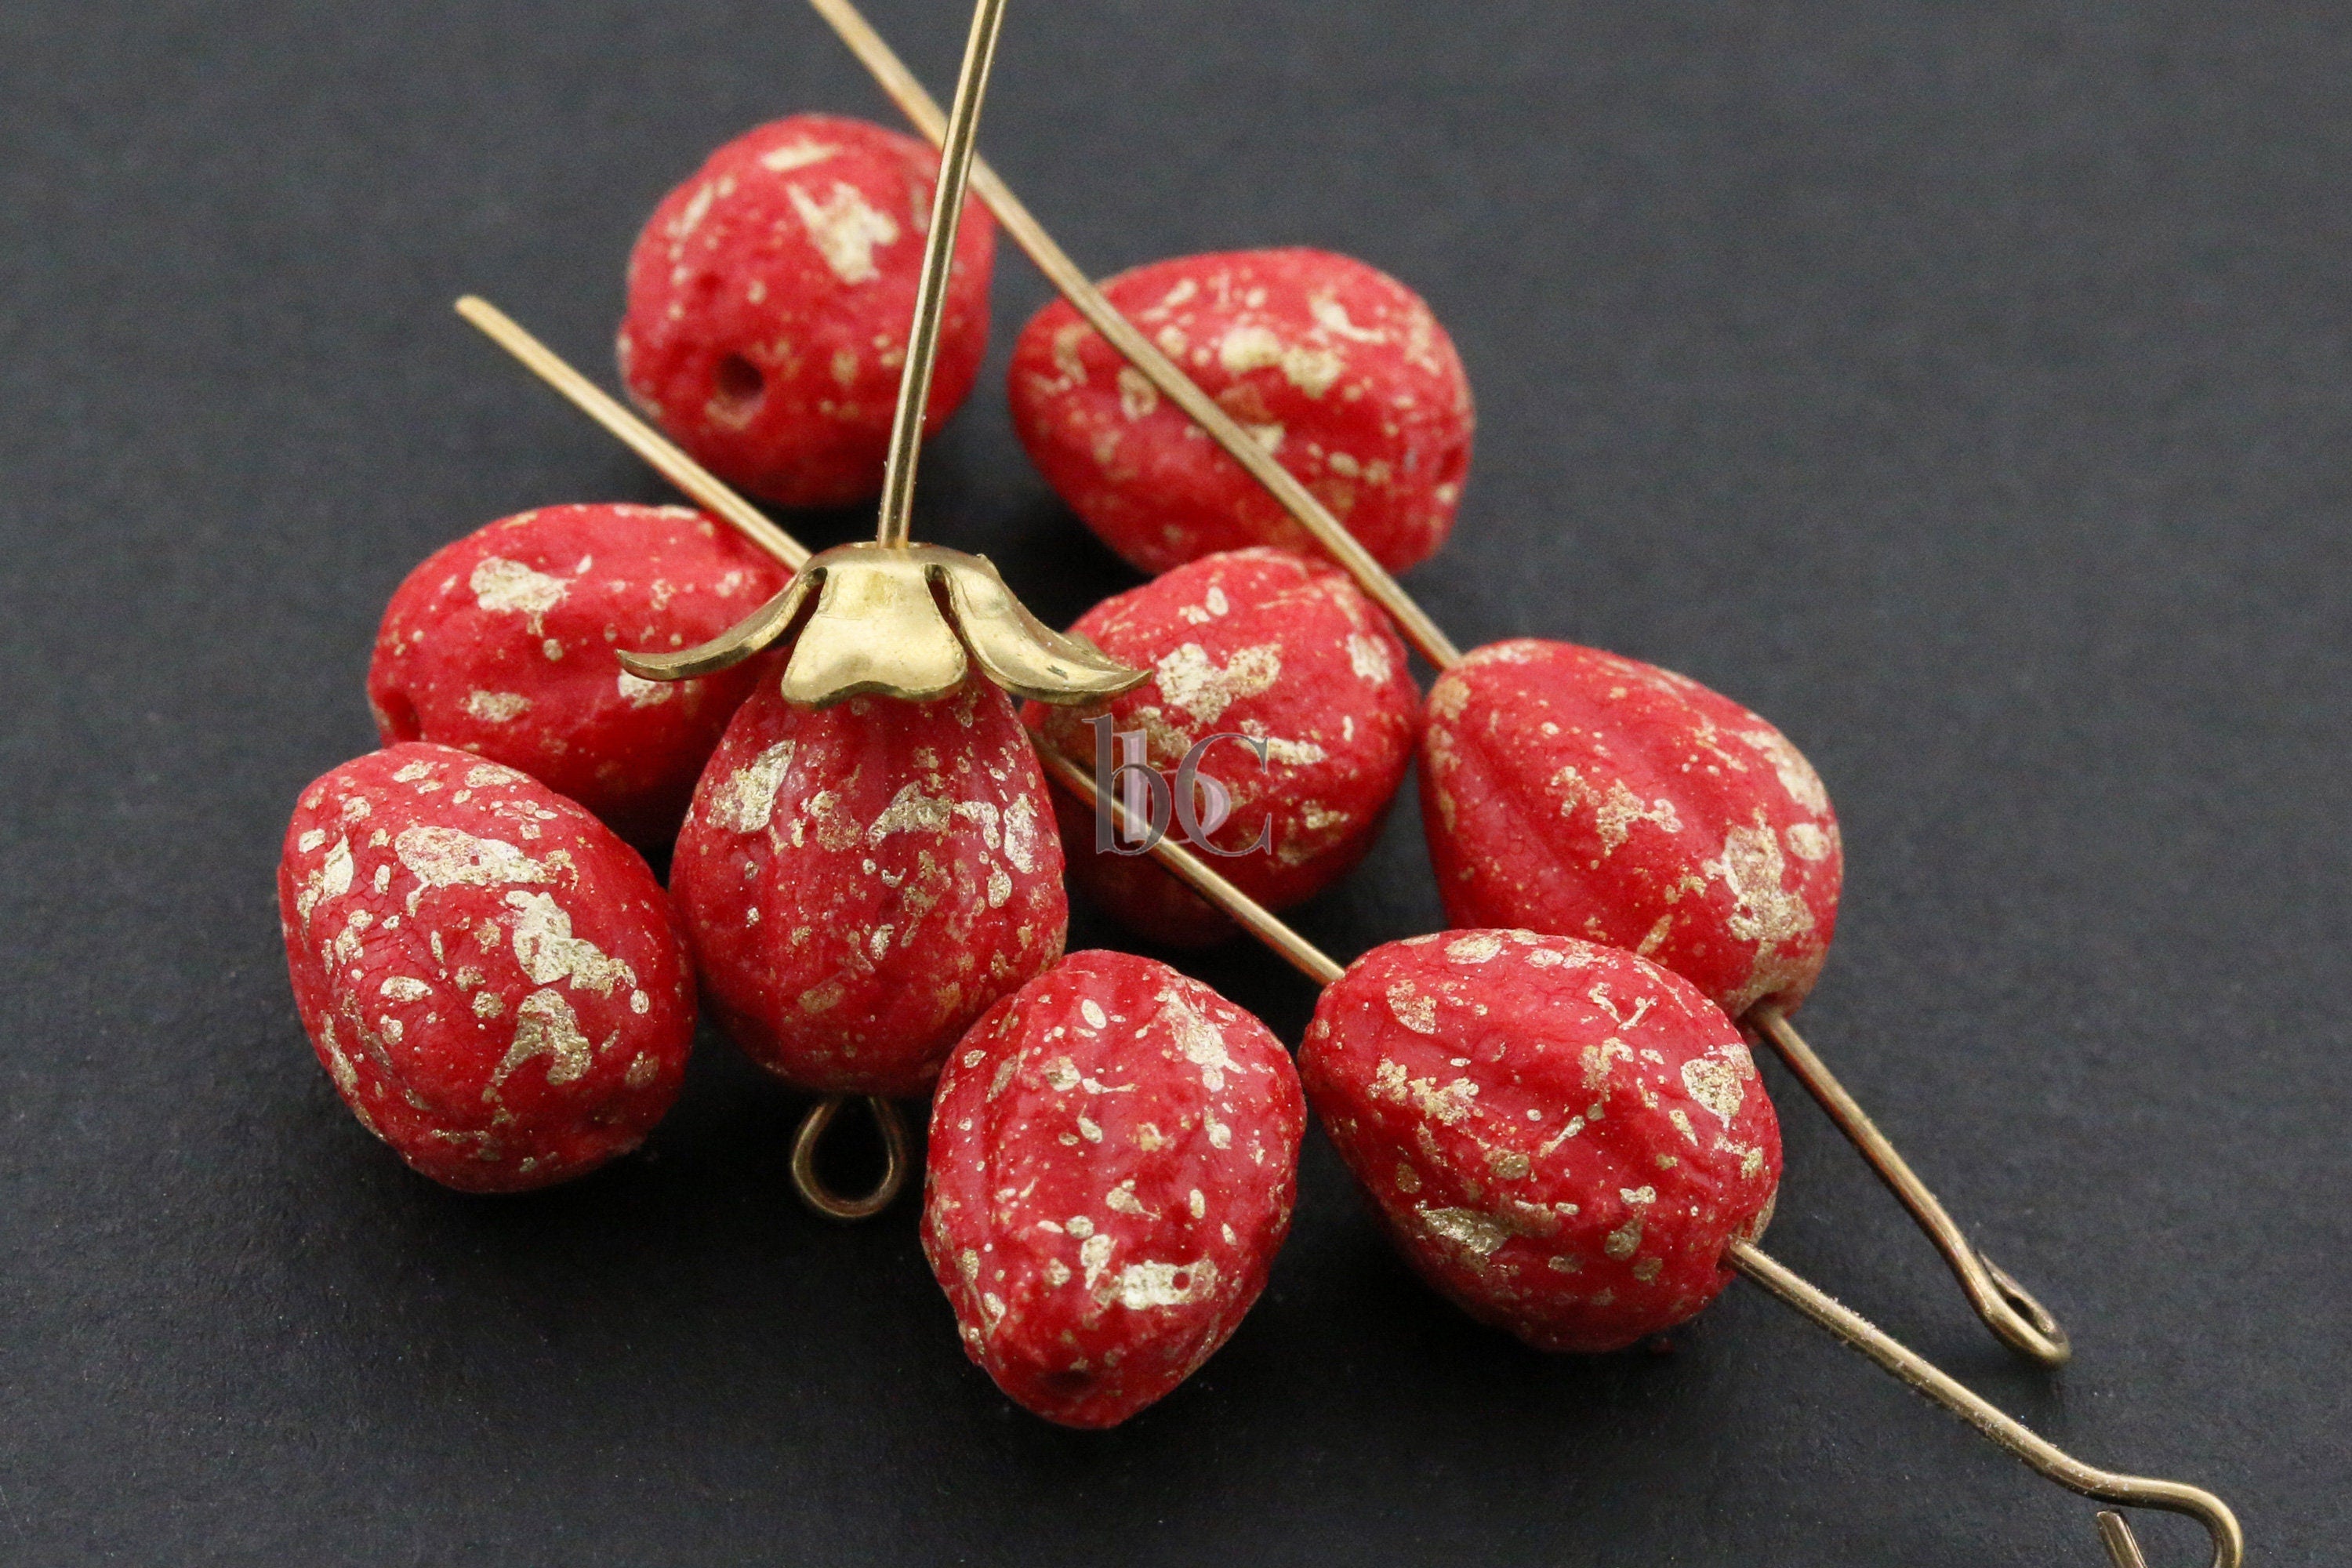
(896, 620)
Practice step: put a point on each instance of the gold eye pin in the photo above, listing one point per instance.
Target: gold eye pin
(892, 617)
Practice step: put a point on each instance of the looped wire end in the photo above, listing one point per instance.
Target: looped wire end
(2048, 1343)
(2008, 1308)
(2036, 1451)
(897, 1159)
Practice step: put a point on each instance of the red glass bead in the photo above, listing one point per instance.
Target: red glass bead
(502, 644)
(769, 301)
(1272, 647)
(1561, 1138)
(1570, 790)
(495, 983)
(1113, 1163)
(1340, 370)
(861, 882)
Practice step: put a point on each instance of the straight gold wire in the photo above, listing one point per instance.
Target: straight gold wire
(918, 106)
(2229, 1542)
(666, 460)
(1255, 917)
(2006, 1308)
(956, 144)
(2123, 1550)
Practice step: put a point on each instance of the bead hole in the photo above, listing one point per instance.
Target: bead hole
(396, 718)
(1457, 463)
(736, 389)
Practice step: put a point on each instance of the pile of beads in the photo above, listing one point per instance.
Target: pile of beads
(1551, 1108)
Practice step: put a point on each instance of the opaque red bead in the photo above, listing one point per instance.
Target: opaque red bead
(1340, 370)
(1113, 1163)
(494, 982)
(502, 644)
(861, 882)
(1570, 790)
(1265, 644)
(769, 303)
(1560, 1137)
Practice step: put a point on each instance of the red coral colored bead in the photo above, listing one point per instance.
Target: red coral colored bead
(494, 982)
(1561, 1138)
(861, 882)
(1113, 1162)
(769, 301)
(1265, 644)
(1338, 369)
(502, 644)
(1570, 790)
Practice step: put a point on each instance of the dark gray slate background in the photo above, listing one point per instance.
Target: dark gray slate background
(1964, 387)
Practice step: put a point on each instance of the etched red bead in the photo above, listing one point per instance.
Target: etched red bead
(861, 882)
(769, 303)
(1113, 1163)
(1570, 790)
(1341, 371)
(1274, 648)
(502, 644)
(1562, 1138)
(494, 982)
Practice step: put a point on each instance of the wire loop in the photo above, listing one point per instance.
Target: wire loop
(2016, 1319)
(2040, 1453)
(897, 1159)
